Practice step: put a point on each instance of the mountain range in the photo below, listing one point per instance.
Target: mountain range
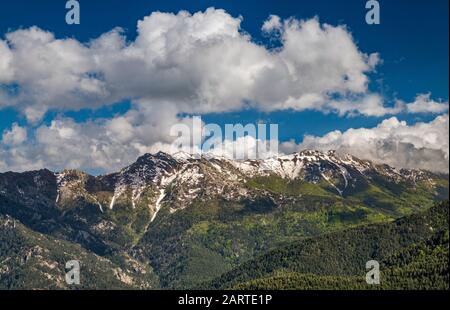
(306, 220)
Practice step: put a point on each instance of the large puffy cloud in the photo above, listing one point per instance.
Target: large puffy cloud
(200, 62)
(101, 145)
(110, 144)
(107, 145)
(422, 145)
(49, 73)
(178, 63)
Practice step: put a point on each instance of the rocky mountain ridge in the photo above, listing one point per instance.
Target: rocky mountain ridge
(189, 176)
(187, 219)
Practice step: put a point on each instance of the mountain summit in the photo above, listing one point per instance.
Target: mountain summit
(186, 219)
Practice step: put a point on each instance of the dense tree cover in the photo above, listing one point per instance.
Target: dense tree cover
(295, 229)
(413, 251)
(421, 266)
(209, 238)
(212, 237)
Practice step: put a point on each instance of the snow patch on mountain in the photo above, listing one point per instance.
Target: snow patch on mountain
(162, 194)
(180, 179)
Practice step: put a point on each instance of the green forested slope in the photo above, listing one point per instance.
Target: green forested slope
(294, 228)
(413, 252)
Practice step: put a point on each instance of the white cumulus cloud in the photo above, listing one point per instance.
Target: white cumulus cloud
(15, 136)
(193, 64)
(394, 142)
(202, 62)
(273, 23)
(423, 104)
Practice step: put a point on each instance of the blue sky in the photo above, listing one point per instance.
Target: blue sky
(412, 42)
